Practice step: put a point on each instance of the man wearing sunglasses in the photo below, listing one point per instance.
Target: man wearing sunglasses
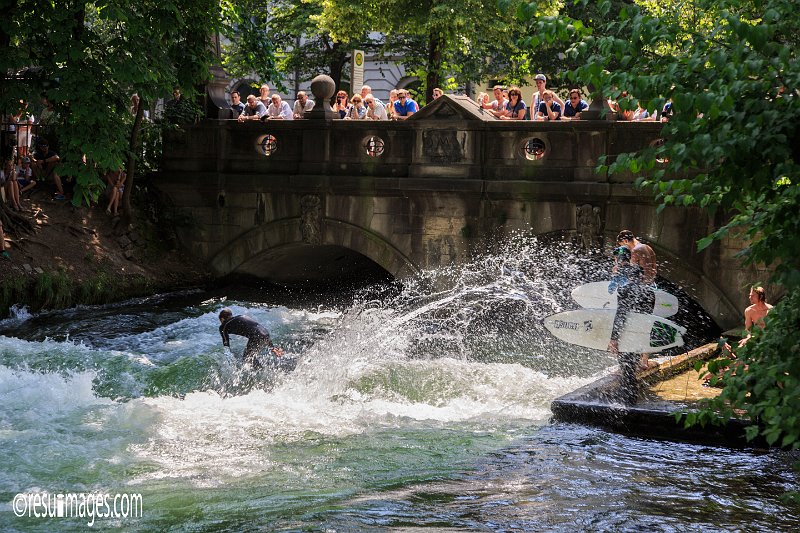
(574, 106)
(404, 107)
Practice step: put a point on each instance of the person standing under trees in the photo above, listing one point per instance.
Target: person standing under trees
(257, 336)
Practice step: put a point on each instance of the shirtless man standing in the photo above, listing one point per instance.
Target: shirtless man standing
(755, 313)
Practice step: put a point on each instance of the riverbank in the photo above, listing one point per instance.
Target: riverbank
(78, 255)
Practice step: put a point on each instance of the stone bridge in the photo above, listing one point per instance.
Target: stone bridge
(319, 200)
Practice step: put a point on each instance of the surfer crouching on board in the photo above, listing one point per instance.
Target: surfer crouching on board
(257, 335)
(636, 262)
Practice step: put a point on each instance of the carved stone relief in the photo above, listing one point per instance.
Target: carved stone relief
(444, 146)
(590, 227)
(311, 219)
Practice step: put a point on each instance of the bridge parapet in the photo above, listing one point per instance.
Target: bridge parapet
(451, 138)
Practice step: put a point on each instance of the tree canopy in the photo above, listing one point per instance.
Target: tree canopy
(91, 56)
(466, 40)
(732, 72)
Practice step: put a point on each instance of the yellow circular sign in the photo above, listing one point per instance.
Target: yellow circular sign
(359, 59)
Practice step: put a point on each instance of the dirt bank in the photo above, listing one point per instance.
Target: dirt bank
(77, 255)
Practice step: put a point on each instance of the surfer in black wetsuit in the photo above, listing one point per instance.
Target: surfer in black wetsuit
(257, 335)
(633, 295)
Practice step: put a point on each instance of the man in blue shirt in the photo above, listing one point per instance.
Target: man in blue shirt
(404, 107)
(574, 105)
(549, 108)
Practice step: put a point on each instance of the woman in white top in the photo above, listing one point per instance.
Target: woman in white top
(24, 121)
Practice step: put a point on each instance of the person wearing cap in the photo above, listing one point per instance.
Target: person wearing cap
(537, 98)
(637, 294)
(43, 164)
(257, 335)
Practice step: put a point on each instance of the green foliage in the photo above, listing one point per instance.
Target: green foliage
(468, 40)
(58, 290)
(764, 380)
(733, 144)
(90, 57)
(53, 290)
(250, 47)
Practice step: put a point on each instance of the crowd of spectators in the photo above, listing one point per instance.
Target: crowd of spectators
(547, 105)
(508, 104)
(361, 106)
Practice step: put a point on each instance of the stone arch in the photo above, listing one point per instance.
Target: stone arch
(405, 81)
(283, 235)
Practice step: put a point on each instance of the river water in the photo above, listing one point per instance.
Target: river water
(395, 408)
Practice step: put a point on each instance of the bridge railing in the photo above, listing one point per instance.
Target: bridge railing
(435, 148)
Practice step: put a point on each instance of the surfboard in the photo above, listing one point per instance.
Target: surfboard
(592, 328)
(596, 296)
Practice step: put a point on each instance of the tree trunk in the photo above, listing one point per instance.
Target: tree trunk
(14, 222)
(434, 67)
(337, 62)
(130, 169)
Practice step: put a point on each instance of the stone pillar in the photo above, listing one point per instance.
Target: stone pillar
(595, 111)
(317, 142)
(322, 87)
(216, 106)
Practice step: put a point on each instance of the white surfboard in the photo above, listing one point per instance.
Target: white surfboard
(592, 328)
(596, 296)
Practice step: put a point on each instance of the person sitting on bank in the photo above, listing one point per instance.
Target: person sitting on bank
(3, 252)
(43, 164)
(23, 180)
(116, 186)
(257, 335)
(755, 313)
(9, 184)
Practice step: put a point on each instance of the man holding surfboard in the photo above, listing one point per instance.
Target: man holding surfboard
(637, 294)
